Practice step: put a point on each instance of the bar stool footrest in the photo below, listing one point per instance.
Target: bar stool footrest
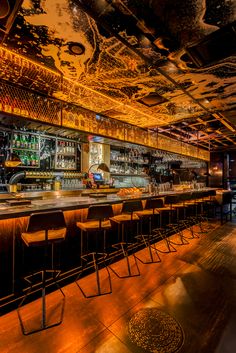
(94, 255)
(30, 280)
(45, 317)
(98, 290)
(148, 255)
(129, 272)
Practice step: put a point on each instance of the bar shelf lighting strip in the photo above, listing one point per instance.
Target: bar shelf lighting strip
(18, 101)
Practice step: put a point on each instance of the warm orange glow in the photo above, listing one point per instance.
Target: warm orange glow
(26, 60)
(158, 42)
(108, 98)
(89, 123)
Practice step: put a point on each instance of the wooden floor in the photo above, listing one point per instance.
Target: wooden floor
(186, 303)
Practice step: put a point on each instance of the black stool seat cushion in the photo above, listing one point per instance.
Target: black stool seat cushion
(125, 217)
(93, 225)
(146, 212)
(38, 238)
(42, 225)
(166, 208)
(97, 218)
(128, 212)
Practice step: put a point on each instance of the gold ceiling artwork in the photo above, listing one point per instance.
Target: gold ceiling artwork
(106, 72)
(110, 67)
(37, 107)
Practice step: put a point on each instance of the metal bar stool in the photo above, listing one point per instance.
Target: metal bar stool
(97, 223)
(127, 218)
(201, 199)
(178, 213)
(162, 232)
(208, 211)
(43, 229)
(190, 219)
(196, 219)
(153, 209)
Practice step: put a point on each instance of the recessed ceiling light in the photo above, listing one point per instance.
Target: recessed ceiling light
(76, 48)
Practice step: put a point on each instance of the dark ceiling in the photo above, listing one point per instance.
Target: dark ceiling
(158, 64)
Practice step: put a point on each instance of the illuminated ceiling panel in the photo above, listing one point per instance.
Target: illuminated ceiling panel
(111, 55)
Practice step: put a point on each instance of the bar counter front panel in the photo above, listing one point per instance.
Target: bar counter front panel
(13, 221)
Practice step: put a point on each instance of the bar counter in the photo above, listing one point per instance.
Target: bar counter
(13, 221)
(69, 200)
(63, 201)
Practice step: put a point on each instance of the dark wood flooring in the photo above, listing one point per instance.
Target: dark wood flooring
(186, 304)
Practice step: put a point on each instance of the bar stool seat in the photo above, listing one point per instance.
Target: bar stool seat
(93, 225)
(44, 229)
(125, 218)
(154, 206)
(147, 212)
(38, 238)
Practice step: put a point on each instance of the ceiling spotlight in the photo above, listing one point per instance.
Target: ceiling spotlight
(76, 48)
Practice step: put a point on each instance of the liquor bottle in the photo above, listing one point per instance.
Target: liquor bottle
(36, 159)
(62, 162)
(32, 142)
(63, 147)
(36, 143)
(14, 139)
(28, 159)
(18, 141)
(33, 158)
(32, 161)
(26, 141)
(58, 163)
(66, 148)
(60, 147)
(25, 160)
(22, 141)
(69, 147)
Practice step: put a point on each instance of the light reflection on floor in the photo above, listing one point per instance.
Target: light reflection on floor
(195, 286)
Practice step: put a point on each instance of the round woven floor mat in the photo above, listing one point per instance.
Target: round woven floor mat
(155, 331)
